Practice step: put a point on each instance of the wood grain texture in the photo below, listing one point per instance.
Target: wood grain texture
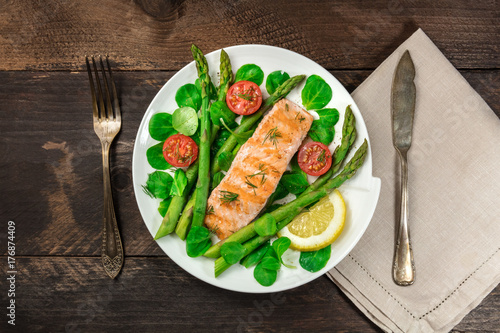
(72, 295)
(155, 34)
(51, 164)
(51, 158)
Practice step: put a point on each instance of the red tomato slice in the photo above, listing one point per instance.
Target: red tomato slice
(314, 158)
(180, 150)
(244, 97)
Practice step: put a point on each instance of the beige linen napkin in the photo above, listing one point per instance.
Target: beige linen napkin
(454, 218)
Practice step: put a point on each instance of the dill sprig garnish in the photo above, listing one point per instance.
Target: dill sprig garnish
(210, 210)
(262, 173)
(273, 136)
(246, 97)
(180, 158)
(301, 119)
(252, 185)
(247, 94)
(321, 157)
(214, 229)
(228, 197)
(148, 192)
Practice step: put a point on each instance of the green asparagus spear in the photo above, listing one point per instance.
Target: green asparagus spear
(249, 121)
(221, 265)
(185, 220)
(177, 204)
(171, 220)
(174, 209)
(294, 207)
(226, 78)
(203, 183)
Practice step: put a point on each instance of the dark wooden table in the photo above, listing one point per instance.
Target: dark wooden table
(51, 165)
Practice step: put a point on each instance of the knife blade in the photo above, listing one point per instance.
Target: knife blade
(403, 96)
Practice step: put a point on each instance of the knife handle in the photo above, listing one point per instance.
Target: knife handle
(403, 267)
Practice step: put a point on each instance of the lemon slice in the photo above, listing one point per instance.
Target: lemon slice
(320, 226)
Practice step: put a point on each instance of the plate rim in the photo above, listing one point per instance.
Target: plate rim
(374, 186)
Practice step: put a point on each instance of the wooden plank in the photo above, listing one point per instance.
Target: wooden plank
(52, 169)
(153, 34)
(154, 294)
(51, 163)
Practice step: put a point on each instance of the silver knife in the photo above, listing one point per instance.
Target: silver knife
(403, 108)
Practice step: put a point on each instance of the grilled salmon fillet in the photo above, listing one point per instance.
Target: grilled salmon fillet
(257, 169)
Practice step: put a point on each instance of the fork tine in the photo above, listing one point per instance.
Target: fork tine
(99, 91)
(109, 107)
(116, 105)
(92, 92)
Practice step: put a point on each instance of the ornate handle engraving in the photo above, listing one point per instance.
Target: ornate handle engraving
(112, 248)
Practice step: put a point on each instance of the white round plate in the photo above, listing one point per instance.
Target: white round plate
(361, 192)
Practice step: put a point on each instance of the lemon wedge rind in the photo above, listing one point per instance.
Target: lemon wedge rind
(335, 226)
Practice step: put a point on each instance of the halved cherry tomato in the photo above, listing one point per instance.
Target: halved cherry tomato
(244, 97)
(180, 150)
(314, 158)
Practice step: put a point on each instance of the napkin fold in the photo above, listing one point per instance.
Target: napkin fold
(454, 199)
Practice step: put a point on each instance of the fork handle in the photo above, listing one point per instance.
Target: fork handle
(403, 267)
(112, 249)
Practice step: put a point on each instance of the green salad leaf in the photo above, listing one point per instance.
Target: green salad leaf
(316, 93)
(316, 260)
(323, 129)
(196, 135)
(256, 256)
(221, 137)
(160, 126)
(198, 241)
(163, 207)
(266, 225)
(225, 160)
(216, 179)
(188, 95)
(218, 110)
(155, 157)
(294, 182)
(242, 137)
(232, 252)
(158, 185)
(280, 246)
(270, 260)
(294, 164)
(266, 270)
(179, 183)
(185, 120)
(278, 194)
(250, 72)
(274, 80)
(264, 276)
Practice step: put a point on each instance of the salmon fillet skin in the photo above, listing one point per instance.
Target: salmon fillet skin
(257, 169)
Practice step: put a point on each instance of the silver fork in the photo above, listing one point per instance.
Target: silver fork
(107, 123)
